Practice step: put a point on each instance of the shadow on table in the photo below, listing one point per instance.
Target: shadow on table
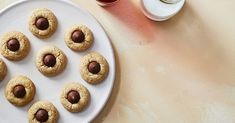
(130, 15)
(207, 53)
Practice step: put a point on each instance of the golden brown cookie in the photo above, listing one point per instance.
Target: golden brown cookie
(14, 46)
(79, 38)
(42, 23)
(74, 97)
(43, 112)
(94, 68)
(3, 69)
(20, 91)
(51, 61)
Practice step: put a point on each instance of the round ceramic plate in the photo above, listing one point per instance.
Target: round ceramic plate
(15, 17)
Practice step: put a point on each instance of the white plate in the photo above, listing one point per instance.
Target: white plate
(15, 17)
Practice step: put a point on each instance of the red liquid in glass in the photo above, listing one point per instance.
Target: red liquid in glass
(107, 1)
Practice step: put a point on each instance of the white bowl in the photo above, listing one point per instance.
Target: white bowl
(170, 1)
(160, 11)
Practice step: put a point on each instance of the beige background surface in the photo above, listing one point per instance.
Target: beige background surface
(178, 71)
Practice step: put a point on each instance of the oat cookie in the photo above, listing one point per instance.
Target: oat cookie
(51, 61)
(79, 38)
(3, 69)
(74, 97)
(94, 68)
(42, 23)
(43, 112)
(14, 46)
(20, 91)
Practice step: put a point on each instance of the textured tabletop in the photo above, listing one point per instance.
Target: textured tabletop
(178, 71)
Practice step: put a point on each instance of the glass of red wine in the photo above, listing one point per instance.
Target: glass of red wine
(106, 2)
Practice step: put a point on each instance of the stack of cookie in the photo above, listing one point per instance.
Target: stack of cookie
(51, 61)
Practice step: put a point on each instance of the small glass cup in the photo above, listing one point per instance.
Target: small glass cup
(106, 2)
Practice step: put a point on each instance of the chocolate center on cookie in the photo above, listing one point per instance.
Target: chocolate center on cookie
(19, 91)
(93, 67)
(73, 96)
(78, 36)
(49, 60)
(13, 44)
(41, 115)
(42, 23)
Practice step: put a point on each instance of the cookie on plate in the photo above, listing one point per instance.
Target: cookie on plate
(14, 46)
(51, 61)
(20, 91)
(3, 69)
(43, 112)
(94, 68)
(74, 97)
(42, 23)
(79, 38)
